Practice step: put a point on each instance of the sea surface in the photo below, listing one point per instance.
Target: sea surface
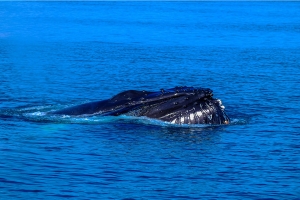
(57, 54)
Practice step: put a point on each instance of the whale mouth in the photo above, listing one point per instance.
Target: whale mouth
(201, 114)
(187, 110)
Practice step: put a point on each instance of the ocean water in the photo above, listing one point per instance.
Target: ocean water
(57, 54)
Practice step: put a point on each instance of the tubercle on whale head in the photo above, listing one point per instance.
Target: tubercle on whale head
(184, 90)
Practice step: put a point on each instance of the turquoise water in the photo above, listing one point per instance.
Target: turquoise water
(57, 54)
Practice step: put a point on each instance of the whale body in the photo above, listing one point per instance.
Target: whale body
(179, 105)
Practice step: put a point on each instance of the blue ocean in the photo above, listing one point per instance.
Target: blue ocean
(59, 54)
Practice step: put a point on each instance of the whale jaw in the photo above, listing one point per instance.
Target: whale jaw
(209, 111)
(205, 112)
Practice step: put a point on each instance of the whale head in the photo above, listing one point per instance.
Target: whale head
(196, 106)
(179, 105)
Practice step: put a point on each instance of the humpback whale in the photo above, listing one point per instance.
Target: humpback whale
(179, 105)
